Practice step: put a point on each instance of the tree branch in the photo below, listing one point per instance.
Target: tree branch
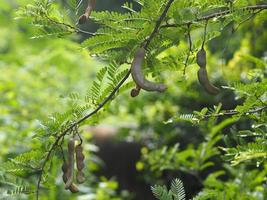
(158, 23)
(218, 14)
(234, 112)
(103, 103)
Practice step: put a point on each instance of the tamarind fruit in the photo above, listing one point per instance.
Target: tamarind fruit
(204, 81)
(71, 146)
(88, 11)
(73, 188)
(135, 92)
(80, 164)
(201, 58)
(138, 76)
(203, 75)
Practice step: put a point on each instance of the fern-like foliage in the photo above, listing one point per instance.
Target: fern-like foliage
(14, 187)
(176, 191)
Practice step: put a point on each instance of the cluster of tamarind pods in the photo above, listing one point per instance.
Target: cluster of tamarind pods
(136, 67)
(142, 83)
(68, 167)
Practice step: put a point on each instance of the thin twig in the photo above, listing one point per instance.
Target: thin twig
(234, 112)
(102, 104)
(73, 28)
(217, 15)
(190, 48)
(204, 34)
(246, 19)
(158, 23)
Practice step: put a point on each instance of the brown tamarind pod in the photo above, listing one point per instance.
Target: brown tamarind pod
(80, 177)
(138, 77)
(79, 157)
(135, 92)
(204, 81)
(71, 146)
(79, 163)
(88, 11)
(73, 188)
(82, 19)
(201, 58)
(65, 171)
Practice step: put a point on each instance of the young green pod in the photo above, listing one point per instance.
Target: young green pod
(71, 146)
(88, 11)
(73, 188)
(201, 58)
(138, 77)
(79, 163)
(204, 81)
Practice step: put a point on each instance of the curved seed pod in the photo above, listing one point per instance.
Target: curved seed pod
(88, 11)
(73, 188)
(204, 81)
(79, 157)
(79, 163)
(201, 58)
(71, 146)
(138, 76)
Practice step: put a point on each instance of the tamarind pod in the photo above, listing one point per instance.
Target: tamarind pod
(135, 92)
(204, 81)
(79, 157)
(138, 76)
(88, 11)
(80, 177)
(73, 188)
(201, 58)
(65, 171)
(71, 145)
(80, 164)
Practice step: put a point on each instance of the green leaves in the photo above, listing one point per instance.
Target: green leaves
(175, 193)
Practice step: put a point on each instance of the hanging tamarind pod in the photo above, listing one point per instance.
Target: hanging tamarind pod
(73, 188)
(88, 11)
(80, 164)
(71, 146)
(204, 81)
(135, 91)
(138, 77)
(202, 72)
(201, 58)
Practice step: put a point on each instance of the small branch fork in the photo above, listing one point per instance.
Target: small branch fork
(145, 44)
(102, 104)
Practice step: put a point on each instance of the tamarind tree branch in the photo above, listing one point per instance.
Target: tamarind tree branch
(190, 48)
(158, 26)
(158, 23)
(218, 14)
(234, 112)
(102, 104)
